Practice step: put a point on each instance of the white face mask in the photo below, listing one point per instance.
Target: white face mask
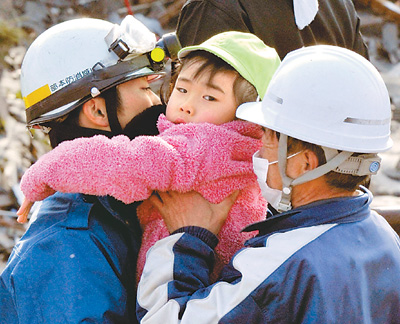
(260, 167)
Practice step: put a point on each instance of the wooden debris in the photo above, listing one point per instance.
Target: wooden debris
(387, 8)
(171, 12)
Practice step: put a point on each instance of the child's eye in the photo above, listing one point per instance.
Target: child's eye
(209, 98)
(182, 90)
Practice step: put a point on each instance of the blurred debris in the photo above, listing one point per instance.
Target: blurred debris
(390, 10)
(380, 21)
(390, 41)
(171, 12)
(9, 37)
(158, 16)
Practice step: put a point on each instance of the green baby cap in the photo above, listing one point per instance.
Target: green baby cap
(246, 53)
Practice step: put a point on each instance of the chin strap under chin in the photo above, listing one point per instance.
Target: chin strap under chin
(285, 203)
(288, 183)
(111, 99)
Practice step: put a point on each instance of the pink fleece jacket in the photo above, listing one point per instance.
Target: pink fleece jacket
(210, 159)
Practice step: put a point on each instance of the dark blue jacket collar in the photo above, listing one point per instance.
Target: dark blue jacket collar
(330, 211)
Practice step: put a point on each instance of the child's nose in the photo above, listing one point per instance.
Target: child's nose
(187, 108)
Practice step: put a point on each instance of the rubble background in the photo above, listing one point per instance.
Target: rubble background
(21, 21)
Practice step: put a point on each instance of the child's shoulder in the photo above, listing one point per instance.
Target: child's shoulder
(245, 128)
(237, 126)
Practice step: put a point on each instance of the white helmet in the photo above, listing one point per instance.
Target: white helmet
(332, 97)
(329, 96)
(75, 60)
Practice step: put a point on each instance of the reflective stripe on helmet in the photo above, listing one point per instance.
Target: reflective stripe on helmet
(79, 91)
(37, 95)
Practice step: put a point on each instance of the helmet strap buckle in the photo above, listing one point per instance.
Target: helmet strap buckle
(361, 165)
(120, 48)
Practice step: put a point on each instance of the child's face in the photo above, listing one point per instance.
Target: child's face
(202, 100)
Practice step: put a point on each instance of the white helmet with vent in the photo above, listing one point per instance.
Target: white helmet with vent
(332, 97)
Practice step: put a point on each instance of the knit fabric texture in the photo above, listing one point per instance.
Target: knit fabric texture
(214, 160)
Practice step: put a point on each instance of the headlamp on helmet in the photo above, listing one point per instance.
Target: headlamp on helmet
(109, 54)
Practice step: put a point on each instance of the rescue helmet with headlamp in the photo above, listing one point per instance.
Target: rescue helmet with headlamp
(78, 59)
(332, 97)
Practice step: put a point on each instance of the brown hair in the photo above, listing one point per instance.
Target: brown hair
(243, 90)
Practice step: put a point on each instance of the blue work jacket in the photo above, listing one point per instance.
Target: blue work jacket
(332, 261)
(75, 264)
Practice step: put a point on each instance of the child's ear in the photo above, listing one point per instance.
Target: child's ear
(94, 114)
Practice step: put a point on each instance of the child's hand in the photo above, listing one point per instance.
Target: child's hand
(24, 210)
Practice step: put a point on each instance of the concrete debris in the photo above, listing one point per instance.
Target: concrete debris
(390, 41)
(18, 149)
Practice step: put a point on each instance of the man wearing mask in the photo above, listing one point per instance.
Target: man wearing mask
(77, 260)
(326, 257)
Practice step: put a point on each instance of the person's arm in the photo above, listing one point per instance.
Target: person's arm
(100, 166)
(69, 277)
(265, 281)
(194, 224)
(186, 157)
(127, 170)
(175, 283)
(176, 268)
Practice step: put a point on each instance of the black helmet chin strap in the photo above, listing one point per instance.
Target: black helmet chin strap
(111, 98)
(144, 123)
